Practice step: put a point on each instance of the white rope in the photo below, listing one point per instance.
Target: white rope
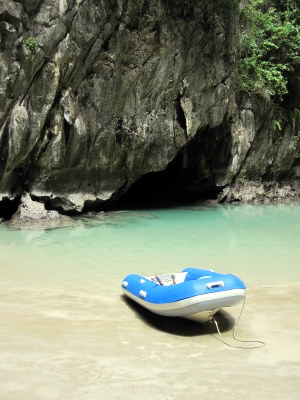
(259, 343)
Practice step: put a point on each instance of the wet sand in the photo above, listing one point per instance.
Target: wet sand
(83, 346)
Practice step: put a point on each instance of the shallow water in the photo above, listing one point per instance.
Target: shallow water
(66, 332)
(258, 243)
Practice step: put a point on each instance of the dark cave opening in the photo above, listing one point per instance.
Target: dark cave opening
(190, 177)
(165, 189)
(8, 207)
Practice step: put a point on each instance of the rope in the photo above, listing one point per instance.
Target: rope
(259, 343)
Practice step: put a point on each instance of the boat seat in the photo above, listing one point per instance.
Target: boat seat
(168, 279)
(162, 280)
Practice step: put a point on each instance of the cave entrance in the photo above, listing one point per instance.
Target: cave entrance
(191, 176)
(8, 207)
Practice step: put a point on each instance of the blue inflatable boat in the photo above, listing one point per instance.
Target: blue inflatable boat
(192, 292)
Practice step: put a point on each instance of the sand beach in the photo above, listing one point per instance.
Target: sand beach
(80, 346)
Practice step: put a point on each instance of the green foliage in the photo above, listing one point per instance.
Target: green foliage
(276, 125)
(31, 44)
(269, 46)
(295, 115)
(295, 143)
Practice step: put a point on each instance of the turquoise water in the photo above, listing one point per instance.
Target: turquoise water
(258, 243)
(66, 333)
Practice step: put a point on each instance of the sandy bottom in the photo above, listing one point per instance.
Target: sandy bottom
(83, 346)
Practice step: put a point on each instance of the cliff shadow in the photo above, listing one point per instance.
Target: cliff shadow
(193, 175)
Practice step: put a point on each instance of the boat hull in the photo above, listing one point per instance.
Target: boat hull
(187, 293)
(204, 303)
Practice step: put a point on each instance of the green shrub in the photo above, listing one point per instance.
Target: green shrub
(269, 46)
(31, 44)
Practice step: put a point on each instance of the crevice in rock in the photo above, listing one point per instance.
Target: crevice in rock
(86, 63)
(78, 8)
(31, 81)
(105, 45)
(60, 204)
(67, 132)
(3, 150)
(9, 18)
(180, 116)
(32, 8)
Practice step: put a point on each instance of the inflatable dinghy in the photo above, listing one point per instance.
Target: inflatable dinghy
(192, 292)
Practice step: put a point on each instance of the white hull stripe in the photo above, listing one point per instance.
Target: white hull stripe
(203, 302)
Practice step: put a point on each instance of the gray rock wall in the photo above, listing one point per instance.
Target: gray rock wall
(110, 90)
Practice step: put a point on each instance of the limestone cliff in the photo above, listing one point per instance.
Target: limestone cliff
(103, 98)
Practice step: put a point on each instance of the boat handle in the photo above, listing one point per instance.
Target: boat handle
(211, 285)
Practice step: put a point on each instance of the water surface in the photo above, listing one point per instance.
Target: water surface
(258, 243)
(66, 332)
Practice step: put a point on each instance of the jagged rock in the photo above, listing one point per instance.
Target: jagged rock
(108, 96)
(113, 91)
(32, 213)
(257, 192)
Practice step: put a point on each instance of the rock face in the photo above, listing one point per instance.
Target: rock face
(95, 95)
(32, 213)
